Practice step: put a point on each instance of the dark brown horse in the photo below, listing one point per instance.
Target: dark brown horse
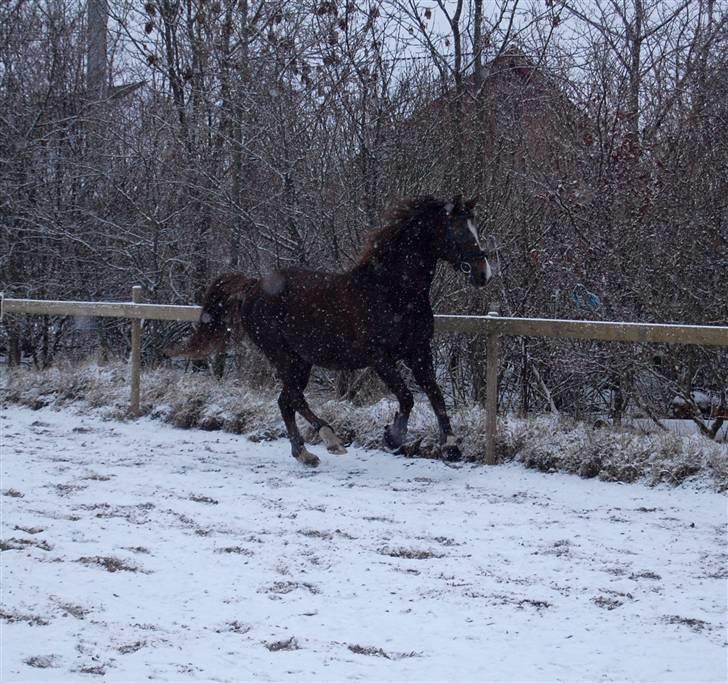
(373, 315)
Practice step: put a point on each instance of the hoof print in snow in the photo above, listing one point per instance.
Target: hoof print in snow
(23, 543)
(94, 476)
(15, 617)
(283, 645)
(65, 490)
(204, 499)
(140, 549)
(696, 625)
(315, 533)
(537, 604)
(234, 627)
(606, 602)
(43, 661)
(283, 587)
(94, 670)
(612, 599)
(68, 609)
(378, 652)
(131, 647)
(12, 493)
(235, 550)
(645, 575)
(111, 564)
(369, 651)
(409, 553)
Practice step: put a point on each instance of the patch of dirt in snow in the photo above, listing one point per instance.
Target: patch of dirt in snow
(409, 553)
(43, 661)
(23, 543)
(110, 564)
(280, 645)
(371, 651)
(15, 617)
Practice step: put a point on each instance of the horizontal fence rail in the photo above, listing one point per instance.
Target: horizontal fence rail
(704, 335)
(491, 326)
(104, 309)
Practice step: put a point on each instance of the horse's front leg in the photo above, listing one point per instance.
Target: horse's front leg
(424, 373)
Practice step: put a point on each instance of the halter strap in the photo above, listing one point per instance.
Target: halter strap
(465, 254)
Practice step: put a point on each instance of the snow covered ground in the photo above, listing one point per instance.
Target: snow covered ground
(138, 551)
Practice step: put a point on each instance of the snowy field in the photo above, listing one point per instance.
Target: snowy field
(138, 551)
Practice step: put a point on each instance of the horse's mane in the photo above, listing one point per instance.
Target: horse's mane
(400, 218)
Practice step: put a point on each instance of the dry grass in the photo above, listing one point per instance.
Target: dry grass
(197, 400)
(614, 454)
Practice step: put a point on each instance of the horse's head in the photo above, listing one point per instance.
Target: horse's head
(460, 245)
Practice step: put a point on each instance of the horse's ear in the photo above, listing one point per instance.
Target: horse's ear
(471, 203)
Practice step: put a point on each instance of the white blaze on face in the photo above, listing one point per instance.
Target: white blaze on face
(488, 271)
(474, 233)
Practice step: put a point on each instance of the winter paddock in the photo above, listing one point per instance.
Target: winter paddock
(154, 525)
(135, 550)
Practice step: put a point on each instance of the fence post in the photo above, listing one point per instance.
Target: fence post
(491, 393)
(136, 355)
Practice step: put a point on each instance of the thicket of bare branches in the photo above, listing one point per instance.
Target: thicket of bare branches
(246, 135)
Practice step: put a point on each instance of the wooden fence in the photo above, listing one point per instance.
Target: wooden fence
(491, 326)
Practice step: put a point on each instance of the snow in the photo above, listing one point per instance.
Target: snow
(140, 551)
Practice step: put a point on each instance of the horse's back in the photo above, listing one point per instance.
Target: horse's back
(324, 318)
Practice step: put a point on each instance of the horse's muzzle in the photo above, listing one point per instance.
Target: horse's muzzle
(479, 272)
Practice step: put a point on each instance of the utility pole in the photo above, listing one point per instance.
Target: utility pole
(96, 49)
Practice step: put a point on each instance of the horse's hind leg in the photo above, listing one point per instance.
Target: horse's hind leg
(300, 405)
(294, 374)
(285, 403)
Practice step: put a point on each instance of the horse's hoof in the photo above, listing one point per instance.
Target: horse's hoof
(450, 451)
(411, 450)
(331, 441)
(391, 441)
(308, 458)
(452, 454)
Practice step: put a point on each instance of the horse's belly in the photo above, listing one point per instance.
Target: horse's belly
(335, 352)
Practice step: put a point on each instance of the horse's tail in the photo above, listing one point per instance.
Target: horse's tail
(219, 320)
